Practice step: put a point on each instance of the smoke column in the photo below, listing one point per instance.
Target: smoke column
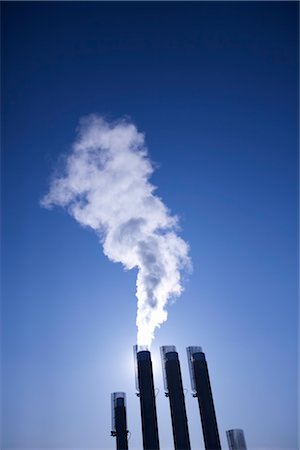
(105, 185)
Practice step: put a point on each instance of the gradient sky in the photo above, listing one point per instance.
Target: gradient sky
(214, 86)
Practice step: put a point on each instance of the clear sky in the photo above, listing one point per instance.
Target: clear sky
(214, 87)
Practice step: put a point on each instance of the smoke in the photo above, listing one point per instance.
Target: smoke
(105, 186)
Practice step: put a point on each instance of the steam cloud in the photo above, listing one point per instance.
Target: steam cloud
(105, 185)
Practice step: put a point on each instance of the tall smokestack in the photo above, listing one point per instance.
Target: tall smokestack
(174, 390)
(202, 390)
(236, 440)
(145, 387)
(119, 422)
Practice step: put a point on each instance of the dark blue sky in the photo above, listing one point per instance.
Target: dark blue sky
(214, 86)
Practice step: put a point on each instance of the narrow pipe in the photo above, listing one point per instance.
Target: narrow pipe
(236, 439)
(201, 384)
(174, 390)
(147, 400)
(119, 421)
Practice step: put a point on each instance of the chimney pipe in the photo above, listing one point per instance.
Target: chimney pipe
(236, 439)
(145, 387)
(174, 390)
(202, 390)
(119, 422)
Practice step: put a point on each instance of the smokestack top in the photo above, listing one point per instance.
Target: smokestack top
(234, 431)
(236, 439)
(194, 349)
(193, 352)
(140, 353)
(143, 355)
(117, 395)
(117, 399)
(167, 352)
(171, 356)
(167, 349)
(140, 349)
(198, 356)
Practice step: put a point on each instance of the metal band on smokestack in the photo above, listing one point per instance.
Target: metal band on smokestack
(145, 387)
(202, 390)
(119, 422)
(236, 440)
(174, 390)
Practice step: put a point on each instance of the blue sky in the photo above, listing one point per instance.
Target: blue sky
(214, 87)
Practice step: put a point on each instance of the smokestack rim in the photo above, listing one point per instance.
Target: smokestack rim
(191, 351)
(164, 350)
(140, 353)
(114, 397)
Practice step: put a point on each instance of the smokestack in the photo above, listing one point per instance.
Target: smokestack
(145, 388)
(174, 390)
(119, 422)
(202, 390)
(236, 440)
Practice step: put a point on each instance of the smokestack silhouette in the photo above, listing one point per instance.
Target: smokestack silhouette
(174, 390)
(119, 421)
(145, 387)
(236, 440)
(202, 390)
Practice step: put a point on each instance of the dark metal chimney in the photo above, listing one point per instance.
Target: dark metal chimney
(236, 440)
(145, 387)
(119, 422)
(174, 390)
(202, 390)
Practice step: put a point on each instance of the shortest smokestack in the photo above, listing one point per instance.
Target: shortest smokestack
(236, 439)
(119, 421)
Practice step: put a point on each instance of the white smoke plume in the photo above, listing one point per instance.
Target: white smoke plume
(105, 186)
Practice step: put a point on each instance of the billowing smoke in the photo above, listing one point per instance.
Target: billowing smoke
(105, 186)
